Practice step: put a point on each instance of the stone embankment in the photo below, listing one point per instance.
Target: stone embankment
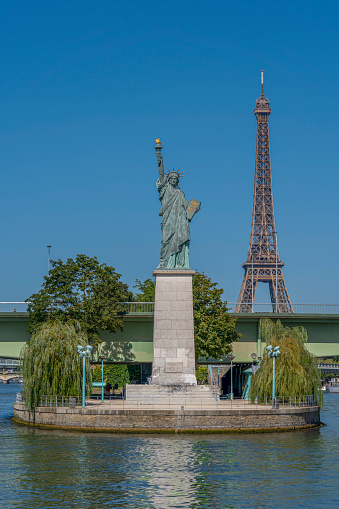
(137, 417)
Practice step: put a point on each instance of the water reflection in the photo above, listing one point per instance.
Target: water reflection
(169, 472)
(44, 469)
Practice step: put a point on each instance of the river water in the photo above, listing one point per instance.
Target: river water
(57, 469)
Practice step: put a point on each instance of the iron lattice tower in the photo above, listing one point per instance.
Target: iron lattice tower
(263, 264)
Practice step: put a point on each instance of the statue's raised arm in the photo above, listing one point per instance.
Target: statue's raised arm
(176, 214)
(158, 148)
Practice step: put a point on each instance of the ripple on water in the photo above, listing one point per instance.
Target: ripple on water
(56, 469)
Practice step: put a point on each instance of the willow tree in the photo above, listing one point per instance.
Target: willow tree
(51, 365)
(296, 369)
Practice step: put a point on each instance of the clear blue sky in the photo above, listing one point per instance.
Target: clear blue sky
(85, 89)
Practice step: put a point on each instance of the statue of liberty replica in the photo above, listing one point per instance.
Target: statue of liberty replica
(176, 213)
(173, 366)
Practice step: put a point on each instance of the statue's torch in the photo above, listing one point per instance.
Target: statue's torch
(158, 148)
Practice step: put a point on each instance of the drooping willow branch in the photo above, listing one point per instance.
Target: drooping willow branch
(296, 369)
(51, 365)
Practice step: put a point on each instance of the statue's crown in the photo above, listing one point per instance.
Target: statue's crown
(174, 172)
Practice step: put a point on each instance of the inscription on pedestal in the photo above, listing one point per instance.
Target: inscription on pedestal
(173, 367)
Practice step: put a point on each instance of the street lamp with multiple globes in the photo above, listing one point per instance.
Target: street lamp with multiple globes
(102, 376)
(84, 353)
(231, 357)
(273, 353)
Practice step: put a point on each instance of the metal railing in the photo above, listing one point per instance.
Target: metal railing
(137, 307)
(293, 401)
(147, 308)
(60, 401)
(175, 403)
(316, 309)
(121, 307)
(13, 307)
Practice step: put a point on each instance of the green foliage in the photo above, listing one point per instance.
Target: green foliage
(296, 369)
(81, 290)
(329, 360)
(214, 328)
(328, 376)
(118, 374)
(147, 291)
(51, 365)
(134, 371)
(96, 374)
(113, 374)
(201, 374)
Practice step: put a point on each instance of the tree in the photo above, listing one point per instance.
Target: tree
(147, 290)
(81, 290)
(114, 374)
(51, 365)
(214, 328)
(296, 369)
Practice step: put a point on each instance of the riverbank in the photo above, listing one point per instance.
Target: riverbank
(120, 417)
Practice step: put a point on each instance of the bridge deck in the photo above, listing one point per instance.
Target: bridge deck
(135, 343)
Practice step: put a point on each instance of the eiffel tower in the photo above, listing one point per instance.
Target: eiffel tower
(263, 264)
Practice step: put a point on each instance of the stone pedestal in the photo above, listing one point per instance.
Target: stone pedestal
(173, 337)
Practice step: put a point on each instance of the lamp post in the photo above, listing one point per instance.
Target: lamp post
(49, 257)
(84, 353)
(273, 353)
(231, 357)
(102, 377)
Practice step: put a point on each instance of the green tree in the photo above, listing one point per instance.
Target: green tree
(146, 289)
(114, 374)
(81, 290)
(118, 374)
(51, 365)
(201, 374)
(296, 369)
(214, 328)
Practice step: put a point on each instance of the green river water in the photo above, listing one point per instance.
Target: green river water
(56, 469)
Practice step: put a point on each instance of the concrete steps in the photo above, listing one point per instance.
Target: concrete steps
(157, 393)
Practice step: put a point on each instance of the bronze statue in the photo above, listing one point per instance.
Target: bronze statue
(176, 214)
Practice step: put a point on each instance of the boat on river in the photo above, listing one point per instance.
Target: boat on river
(333, 385)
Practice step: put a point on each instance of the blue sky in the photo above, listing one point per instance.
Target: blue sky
(85, 89)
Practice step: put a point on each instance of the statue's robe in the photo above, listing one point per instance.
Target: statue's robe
(174, 226)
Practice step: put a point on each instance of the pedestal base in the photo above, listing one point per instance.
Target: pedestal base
(173, 336)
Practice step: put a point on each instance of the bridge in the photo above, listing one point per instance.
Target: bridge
(12, 364)
(329, 368)
(135, 343)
